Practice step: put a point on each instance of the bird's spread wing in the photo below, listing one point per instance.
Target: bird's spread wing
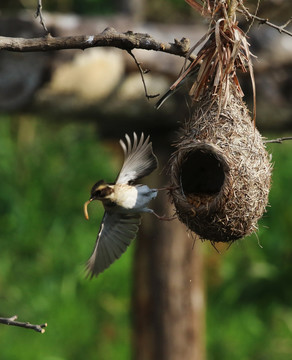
(139, 160)
(115, 235)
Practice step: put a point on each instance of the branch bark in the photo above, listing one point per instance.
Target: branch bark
(12, 321)
(108, 38)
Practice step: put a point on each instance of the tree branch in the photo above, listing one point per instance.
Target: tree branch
(250, 16)
(26, 325)
(39, 14)
(278, 141)
(109, 37)
(142, 72)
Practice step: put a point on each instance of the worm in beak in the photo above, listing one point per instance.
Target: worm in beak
(85, 209)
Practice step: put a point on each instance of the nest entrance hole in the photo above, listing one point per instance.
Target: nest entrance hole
(202, 174)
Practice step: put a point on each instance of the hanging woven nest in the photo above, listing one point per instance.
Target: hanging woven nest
(220, 171)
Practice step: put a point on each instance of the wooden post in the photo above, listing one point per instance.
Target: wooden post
(168, 299)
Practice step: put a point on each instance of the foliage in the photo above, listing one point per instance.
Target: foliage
(46, 173)
(249, 300)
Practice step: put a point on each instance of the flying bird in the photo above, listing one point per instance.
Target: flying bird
(123, 202)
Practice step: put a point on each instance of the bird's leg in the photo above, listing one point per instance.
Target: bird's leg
(168, 188)
(164, 218)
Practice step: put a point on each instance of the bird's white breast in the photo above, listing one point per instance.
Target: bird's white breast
(126, 196)
(133, 198)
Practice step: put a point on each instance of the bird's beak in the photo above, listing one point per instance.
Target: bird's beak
(85, 208)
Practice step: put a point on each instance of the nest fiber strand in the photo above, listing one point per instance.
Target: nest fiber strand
(220, 171)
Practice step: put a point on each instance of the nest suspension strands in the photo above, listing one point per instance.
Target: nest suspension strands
(220, 169)
(225, 50)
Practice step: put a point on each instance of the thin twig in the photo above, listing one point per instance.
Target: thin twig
(278, 141)
(142, 72)
(281, 29)
(252, 21)
(26, 325)
(40, 15)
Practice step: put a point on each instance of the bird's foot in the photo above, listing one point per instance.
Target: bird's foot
(164, 218)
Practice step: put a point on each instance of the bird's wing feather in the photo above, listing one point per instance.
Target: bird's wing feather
(139, 160)
(115, 235)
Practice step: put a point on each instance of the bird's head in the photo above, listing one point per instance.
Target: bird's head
(100, 191)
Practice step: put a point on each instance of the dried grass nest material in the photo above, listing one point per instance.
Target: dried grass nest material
(220, 171)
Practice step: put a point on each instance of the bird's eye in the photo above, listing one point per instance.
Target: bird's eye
(97, 193)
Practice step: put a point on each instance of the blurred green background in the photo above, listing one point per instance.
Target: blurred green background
(46, 176)
(46, 173)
